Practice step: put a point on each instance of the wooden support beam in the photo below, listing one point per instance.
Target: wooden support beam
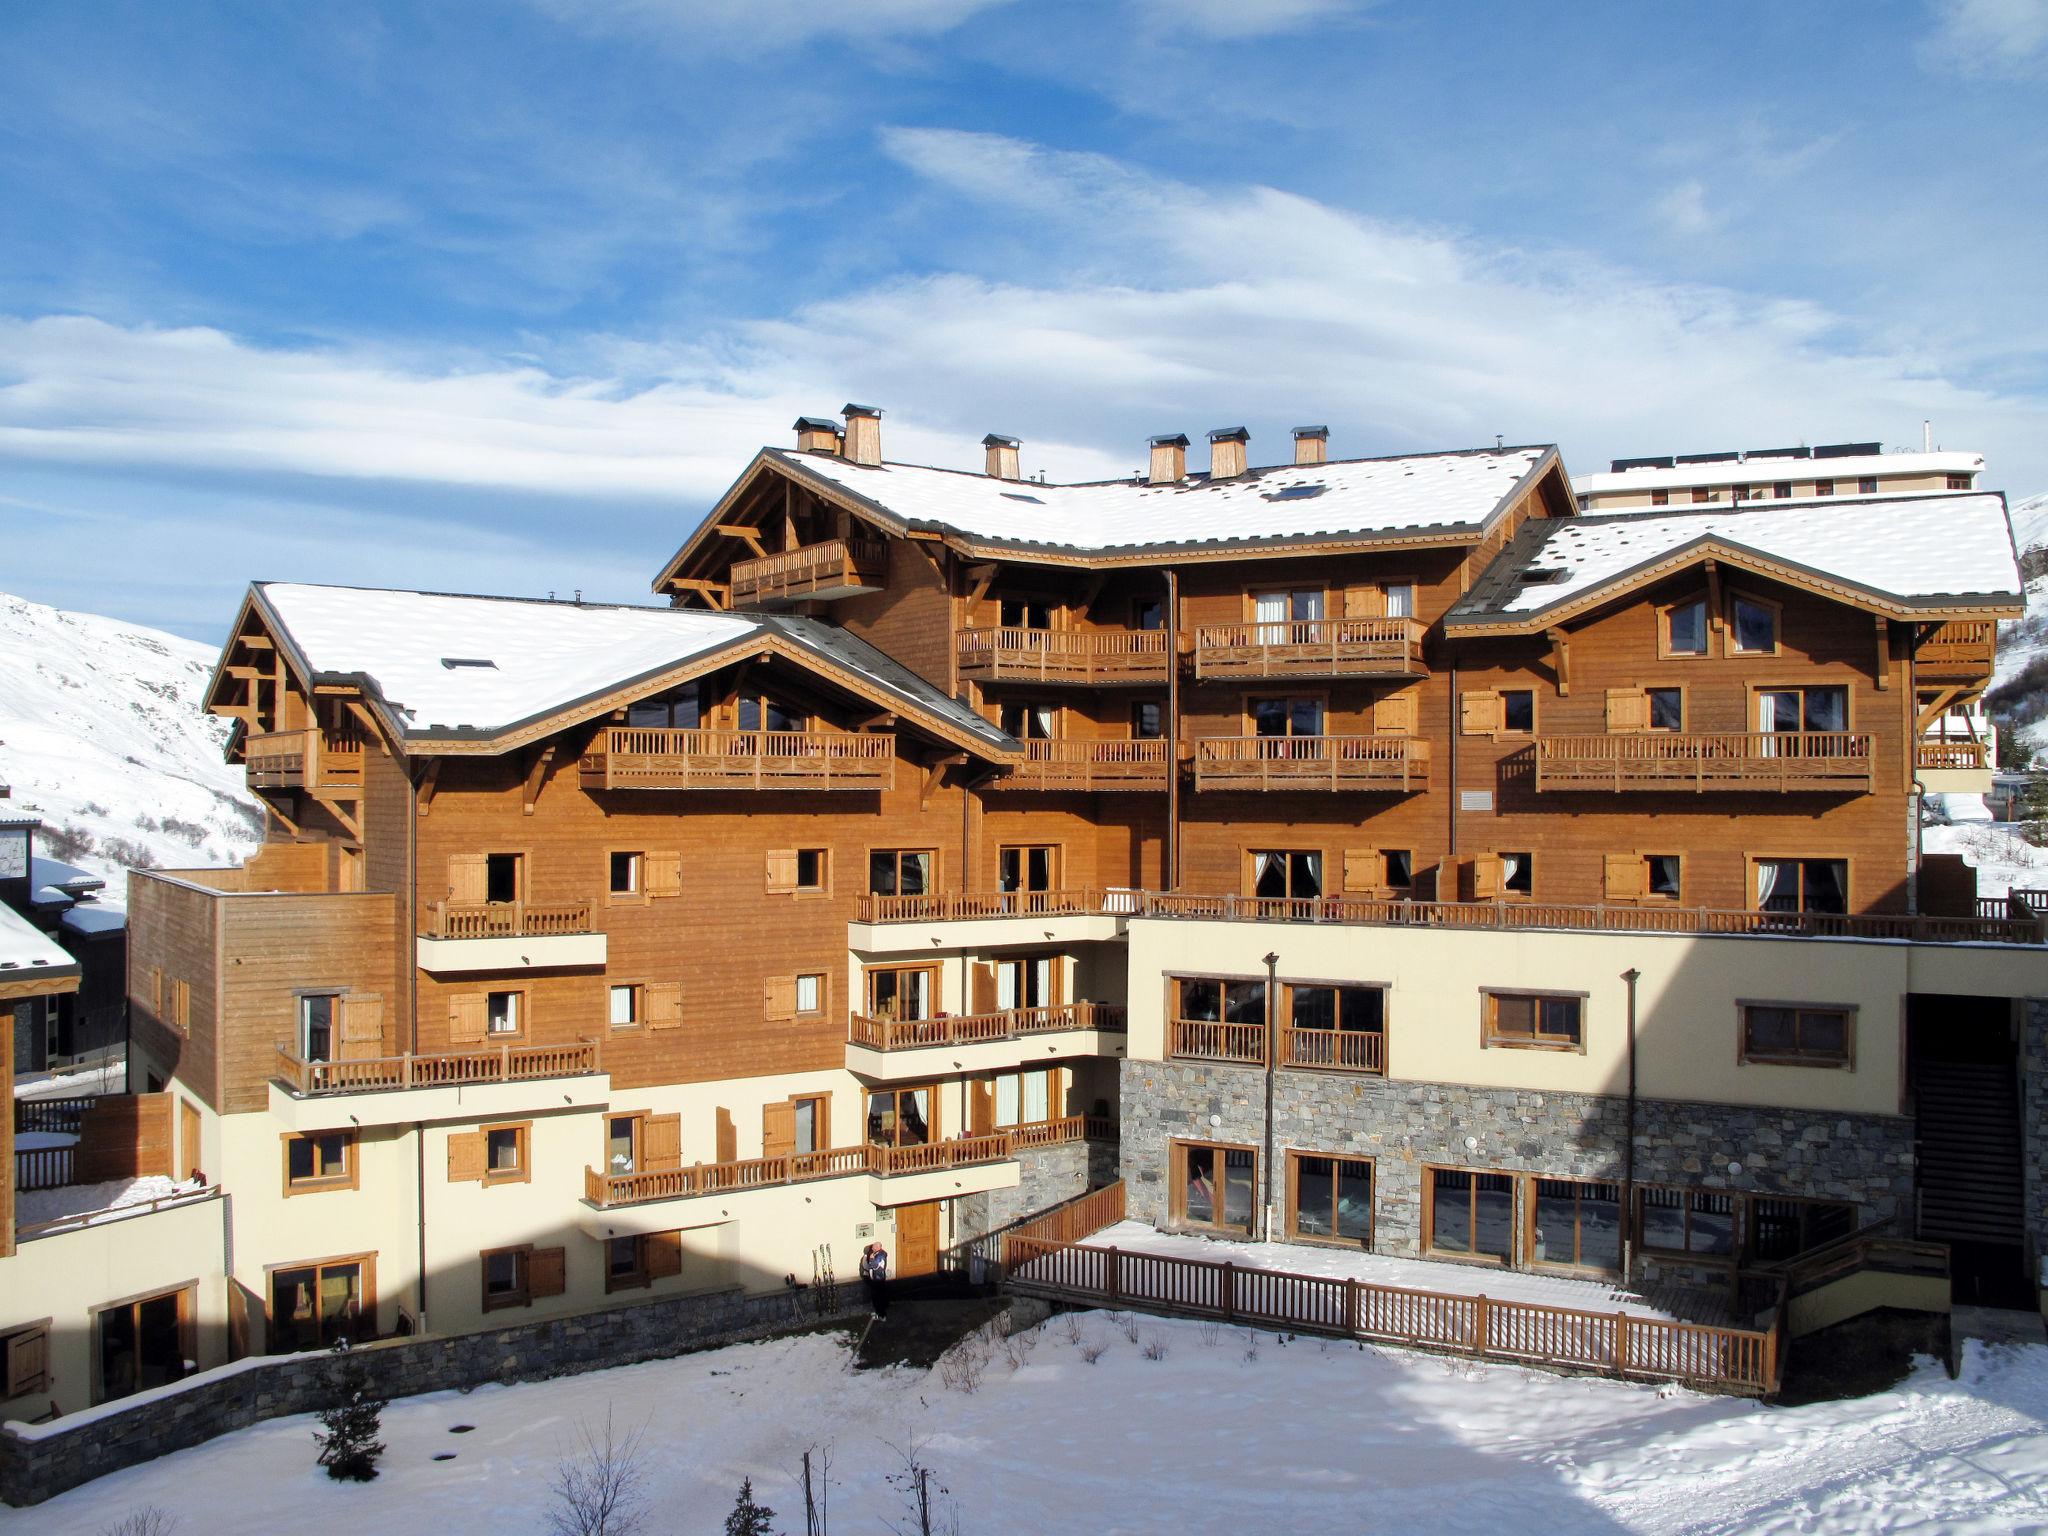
(370, 724)
(1932, 712)
(1715, 618)
(789, 538)
(282, 820)
(243, 674)
(981, 576)
(256, 642)
(427, 782)
(351, 823)
(1884, 653)
(933, 772)
(749, 536)
(716, 594)
(1561, 660)
(537, 774)
(1089, 593)
(935, 553)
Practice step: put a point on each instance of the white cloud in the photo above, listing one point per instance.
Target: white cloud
(1683, 211)
(1989, 37)
(1242, 18)
(758, 24)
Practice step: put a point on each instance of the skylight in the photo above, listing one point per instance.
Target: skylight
(1036, 501)
(452, 662)
(1295, 492)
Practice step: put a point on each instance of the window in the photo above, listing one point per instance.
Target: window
(1660, 498)
(1468, 1214)
(1667, 709)
(902, 993)
(505, 1154)
(681, 710)
(1802, 885)
(1287, 717)
(798, 871)
(625, 1006)
(1329, 1199)
(1791, 710)
(1742, 493)
(900, 1117)
(1518, 710)
(1212, 1000)
(143, 1344)
(810, 992)
(1798, 1034)
(319, 1013)
(502, 873)
(1695, 1222)
(1276, 614)
(1025, 613)
(1959, 482)
(1753, 626)
(1295, 874)
(1866, 485)
(1701, 494)
(1782, 489)
(25, 1359)
(1682, 628)
(625, 874)
(1148, 613)
(1400, 867)
(1336, 1027)
(506, 1278)
(1213, 1186)
(1397, 599)
(503, 1012)
(758, 712)
(1663, 874)
(313, 1306)
(1027, 1098)
(1033, 868)
(1535, 1020)
(1777, 1228)
(625, 1263)
(901, 871)
(1517, 874)
(1030, 981)
(622, 1143)
(1031, 722)
(811, 1119)
(1574, 1225)
(1148, 720)
(1823, 487)
(322, 1160)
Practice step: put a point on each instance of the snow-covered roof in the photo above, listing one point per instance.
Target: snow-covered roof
(90, 920)
(450, 665)
(1760, 469)
(1948, 548)
(26, 950)
(68, 878)
(13, 819)
(1412, 494)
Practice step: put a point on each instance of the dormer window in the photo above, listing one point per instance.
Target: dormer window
(1683, 628)
(1755, 626)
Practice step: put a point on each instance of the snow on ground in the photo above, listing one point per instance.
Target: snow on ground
(1212, 1437)
(37, 1205)
(86, 1082)
(101, 732)
(2003, 859)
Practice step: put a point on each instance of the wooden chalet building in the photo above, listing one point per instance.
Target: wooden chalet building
(956, 841)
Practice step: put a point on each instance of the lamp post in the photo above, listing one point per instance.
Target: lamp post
(1628, 1151)
(1271, 1052)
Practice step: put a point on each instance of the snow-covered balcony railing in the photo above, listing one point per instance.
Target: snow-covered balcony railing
(974, 1028)
(1834, 761)
(442, 1069)
(1089, 765)
(682, 1183)
(1384, 647)
(831, 568)
(1398, 763)
(1951, 754)
(1959, 647)
(635, 757)
(302, 759)
(1092, 656)
(507, 919)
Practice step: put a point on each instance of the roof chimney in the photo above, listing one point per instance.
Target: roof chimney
(1169, 459)
(1311, 445)
(1226, 452)
(1002, 456)
(863, 433)
(817, 434)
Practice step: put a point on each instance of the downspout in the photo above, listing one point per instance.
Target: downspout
(1170, 854)
(412, 1007)
(1628, 1151)
(1451, 800)
(1271, 1053)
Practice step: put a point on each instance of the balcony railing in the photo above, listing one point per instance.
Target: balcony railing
(637, 757)
(976, 1028)
(1837, 761)
(938, 908)
(1213, 1040)
(302, 759)
(1310, 648)
(831, 568)
(1092, 656)
(507, 919)
(445, 1069)
(1965, 646)
(1952, 754)
(1089, 765)
(1398, 763)
(1334, 1050)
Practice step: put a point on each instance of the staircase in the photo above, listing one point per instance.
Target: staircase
(1969, 1153)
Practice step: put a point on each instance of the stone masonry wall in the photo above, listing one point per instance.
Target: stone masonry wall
(1865, 1159)
(2034, 1126)
(1049, 1176)
(44, 1462)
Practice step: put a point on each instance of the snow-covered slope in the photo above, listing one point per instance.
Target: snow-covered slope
(103, 736)
(2025, 641)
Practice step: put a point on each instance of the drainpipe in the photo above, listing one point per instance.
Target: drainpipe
(1451, 800)
(419, 1144)
(410, 960)
(1271, 1053)
(1628, 1151)
(1170, 853)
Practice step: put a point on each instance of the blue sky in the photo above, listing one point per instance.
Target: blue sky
(500, 296)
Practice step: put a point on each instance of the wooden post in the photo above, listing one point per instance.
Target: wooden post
(1351, 1326)
(1480, 1309)
(1110, 1264)
(1227, 1290)
(1621, 1343)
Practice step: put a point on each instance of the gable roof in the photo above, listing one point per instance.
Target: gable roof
(1407, 498)
(451, 670)
(1932, 554)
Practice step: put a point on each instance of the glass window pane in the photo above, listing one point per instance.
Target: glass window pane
(1354, 1201)
(1237, 1188)
(882, 872)
(1307, 605)
(1037, 1097)
(807, 1125)
(1772, 1031)
(809, 993)
(1561, 1018)
(1823, 1034)
(1305, 874)
(1269, 717)
(1756, 626)
(1826, 882)
(1201, 1001)
(1201, 1184)
(1400, 871)
(1493, 1214)
(1518, 710)
(915, 878)
(1827, 709)
(1244, 1002)
(1663, 1219)
(1315, 1196)
(1667, 709)
(1450, 1226)
(1514, 1015)
(1713, 1224)
(1686, 634)
(1664, 874)
(1315, 1008)
(1305, 717)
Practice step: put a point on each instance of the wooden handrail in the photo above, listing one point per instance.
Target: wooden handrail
(442, 1069)
(1335, 1050)
(306, 755)
(1113, 763)
(509, 919)
(1309, 647)
(610, 1189)
(1216, 1040)
(1951, 754)
(649, 757)
(793, 572)
(1703, 760)
(1311, 762)
(973, 1028)
(937, 907)
(1063, 655)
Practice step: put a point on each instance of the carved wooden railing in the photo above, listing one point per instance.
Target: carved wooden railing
(302, 759)
(975, 1028)
(1334, 1050)
(824, 566)
(939, 908)
(1064, 655)
(1969, 645)
(508, 919)
(1214, 1040)
(1310, 648)
(1089, 765)
(1952, 754)
(643, 757)
(1311, 762)
(1690, 760)
(441, 1069)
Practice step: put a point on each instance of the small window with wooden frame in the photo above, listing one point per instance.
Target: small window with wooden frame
(1682, 629)
(1212, 1186)
(902, 993)
(25, 1359)
(634, 1263)
(1507, 876)
(626, 882)
(1329, 1199)
(1497, 712)
(627, 1006)
(1027, 867)
(809, 1001)
(1468, 1214)
(1634, 710)
(1285, 874)
(491, 1154)
(1519, 1019)
(1643, 877)
(505, 1014)
(799, 871)
(1573, 1225)
(1755, 625)
(318, 1161)
(1797, 1034)
(644, 1004)
(507, 1277)
(903, 871)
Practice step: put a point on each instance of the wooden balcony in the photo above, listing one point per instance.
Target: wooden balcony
(617, 1189)
(1837, 762)
(1952, 754)
(1093, 657)
(976, 1028)
(833, 568)
(447, 1069)
(936, 908)
(302, 759)
(1335, 1050)
(635, 757)
(506, 919)
(1212, 1040)
(1310, 648)
(1961, 650)
(1120, 764)
(1398, 764)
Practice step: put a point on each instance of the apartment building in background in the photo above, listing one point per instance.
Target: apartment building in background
(1804, 473)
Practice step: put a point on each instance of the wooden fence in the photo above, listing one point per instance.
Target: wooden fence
(50, 1114)
(44, 1167)
(1737, 1360)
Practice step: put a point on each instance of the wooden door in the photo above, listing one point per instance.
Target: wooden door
(917, 1239)
(188, 1140)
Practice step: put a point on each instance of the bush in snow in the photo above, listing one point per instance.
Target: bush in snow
(1155, 1348)
(348, 1441)
(1093, 1352)
(146, 1521)
(596, 1487)
(749, 1518)
(927, 1504)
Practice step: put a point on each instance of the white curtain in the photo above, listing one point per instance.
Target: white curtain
(1043, 715)
(1041, 992)
(1766, 881)
(1270, 607)
(1006, 984)
(1036, 1097)
(1006, 1099)
(1401, 601)
(1263, 864)
(1510, 869)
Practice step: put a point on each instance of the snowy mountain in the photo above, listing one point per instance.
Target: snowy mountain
(2023, 644)
(102, 734)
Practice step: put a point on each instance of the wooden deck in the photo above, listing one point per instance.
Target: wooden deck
(976, 1028)
(944, 908)
(1288, 763)
(444, 1069)
(1310, 648)
(1959, 650)
(1839, 762)
(830, 568)
(1952, 754)
(302, 759)
(506, 919)
(1089, 765)
(635, 757)
(1091, 657)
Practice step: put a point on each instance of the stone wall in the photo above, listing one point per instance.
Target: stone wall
(45, 1461)
(1049, 1176)
(2034, 1128)
(1864, 1159)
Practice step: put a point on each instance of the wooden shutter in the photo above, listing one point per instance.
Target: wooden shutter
(465, 1156)
(728, 1137)
(778, 1129)
(28, 1361)
(547, 1272)
(1363, 870)
(1628, 709)
(661, 1143)
(1363, 603)
(1627, 876)
(467, 1022)
(181, 1004)
(781, 870)
(1486, 877)
(467, 876)
(1479, 713)
(662, 1002)
(362, 1026)
(1394, 715)
(981, 987)
(664, 1254)
(156, 992)
(981, 1108)
(778, 998)
(662, 873)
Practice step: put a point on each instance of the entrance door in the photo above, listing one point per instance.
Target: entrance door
(917, 1239)
(188, 1139)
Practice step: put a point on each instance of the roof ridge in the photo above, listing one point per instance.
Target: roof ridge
(1196, 477)
(510, 597)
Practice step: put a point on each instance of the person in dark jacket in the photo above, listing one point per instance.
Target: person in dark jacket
(874, 1269)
